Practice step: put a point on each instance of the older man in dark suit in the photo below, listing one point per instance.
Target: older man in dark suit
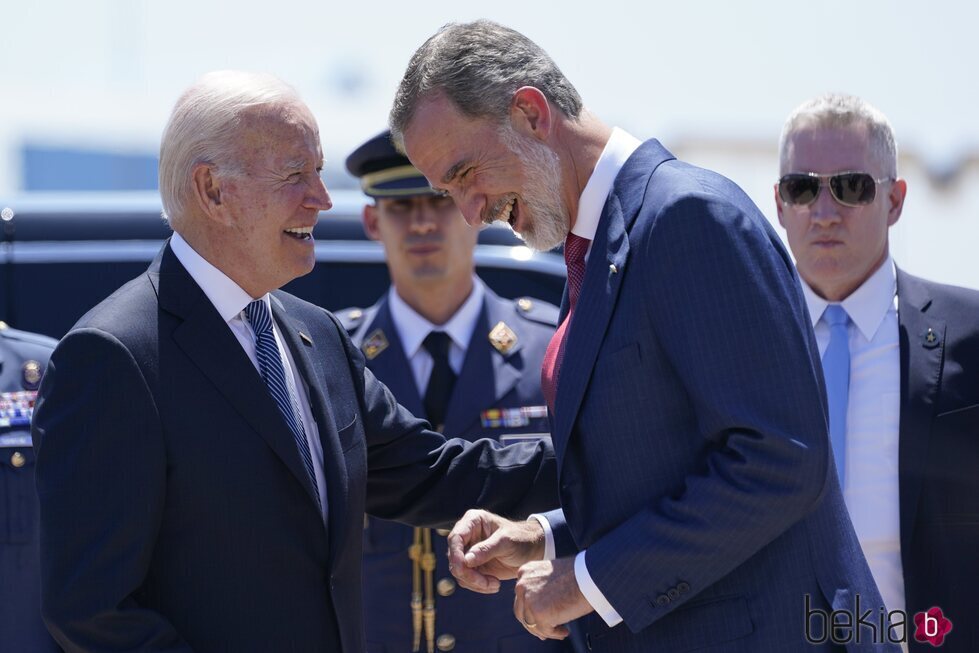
(207, 445)
(901, 358)
(700, 506)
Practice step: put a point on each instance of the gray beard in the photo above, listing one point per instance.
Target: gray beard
(541, 197)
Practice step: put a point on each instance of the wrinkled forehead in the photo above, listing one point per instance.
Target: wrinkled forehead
(273, 131)
(439, 136)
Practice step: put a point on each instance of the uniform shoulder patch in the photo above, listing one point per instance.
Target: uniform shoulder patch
(350, 318)
(537, 310)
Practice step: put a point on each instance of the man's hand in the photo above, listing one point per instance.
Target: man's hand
(547, 597)
(485, 548)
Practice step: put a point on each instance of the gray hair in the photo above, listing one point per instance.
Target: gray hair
(835, 110)
(479, 66)
(203, 126)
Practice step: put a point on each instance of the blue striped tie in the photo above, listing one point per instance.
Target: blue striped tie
(273, 373)
(836, 369)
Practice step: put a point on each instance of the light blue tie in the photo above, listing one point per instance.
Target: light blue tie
(836, 369)
(273, 373)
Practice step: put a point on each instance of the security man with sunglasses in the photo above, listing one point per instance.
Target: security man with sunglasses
(901, 360)
(453, 352)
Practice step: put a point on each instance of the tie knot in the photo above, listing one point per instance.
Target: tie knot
(835, 315)
(437, 344)
(575, 248)
(258, 316)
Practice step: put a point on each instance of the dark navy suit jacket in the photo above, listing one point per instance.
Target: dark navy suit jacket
(176, 514)
(939, 454)
(489, 379)
(22, 355)
(690, 428)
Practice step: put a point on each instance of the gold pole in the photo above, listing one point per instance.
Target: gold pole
(415, 553)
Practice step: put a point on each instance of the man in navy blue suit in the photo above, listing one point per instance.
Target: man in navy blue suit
(700, 508)
(451, 351)
(207, 446)
(908, 423)
(23, 357)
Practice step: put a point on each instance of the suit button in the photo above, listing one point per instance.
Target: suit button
(445, 587)
(673, 593)
(444, 532)
(17, 459)
(662, 600)
(445, 642)
(683, 587)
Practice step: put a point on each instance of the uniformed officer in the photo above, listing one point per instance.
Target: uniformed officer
(467, 360)
(23, 357)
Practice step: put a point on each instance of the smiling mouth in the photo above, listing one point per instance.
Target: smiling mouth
(300, 233)
(509, 213)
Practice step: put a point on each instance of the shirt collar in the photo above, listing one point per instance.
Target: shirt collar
(867, 305)
(413, 328)
(226, 296)
(618, 149)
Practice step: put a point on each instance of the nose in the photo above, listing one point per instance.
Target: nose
(318, 197)
(472, 207)
(422, 218)
(824, 209)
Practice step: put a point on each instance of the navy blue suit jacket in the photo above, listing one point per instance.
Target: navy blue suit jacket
(489, 379)
(690, 428)
(175, 511)
(22, 355)
(939, 454)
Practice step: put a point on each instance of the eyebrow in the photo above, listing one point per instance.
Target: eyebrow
(453, 171)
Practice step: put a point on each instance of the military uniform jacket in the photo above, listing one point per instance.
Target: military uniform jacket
(23, 357)
(497, 395)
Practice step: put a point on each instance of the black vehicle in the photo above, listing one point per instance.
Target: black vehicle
(60, 255)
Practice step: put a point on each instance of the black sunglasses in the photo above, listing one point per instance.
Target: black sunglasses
(847, 188)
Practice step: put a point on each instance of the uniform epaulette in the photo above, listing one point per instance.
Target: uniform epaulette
(350, 318)
(26, 337)
(537, 310)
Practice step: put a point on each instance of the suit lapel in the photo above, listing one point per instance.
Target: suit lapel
(472, 393)
(921, 374)
(600, 290)
(390, 365)
(308, 365)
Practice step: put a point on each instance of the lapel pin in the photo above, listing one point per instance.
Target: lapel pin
(502, 338)
(31, 375)
(306, 339)
(929, 339)
(374, 344)
(612, 269)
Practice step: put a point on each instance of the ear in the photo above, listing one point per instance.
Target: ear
(530, 113)
(778, 206)
(895, 198)
(206, 190)
(371, 219)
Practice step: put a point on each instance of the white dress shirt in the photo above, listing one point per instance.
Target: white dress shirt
(619, 148)
(230, 301)
(872, 423)
(412, 329)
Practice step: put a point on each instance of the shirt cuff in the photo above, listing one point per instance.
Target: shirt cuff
(594, 595)
(549, 553)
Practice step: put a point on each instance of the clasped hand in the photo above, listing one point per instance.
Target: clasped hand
(485, 548)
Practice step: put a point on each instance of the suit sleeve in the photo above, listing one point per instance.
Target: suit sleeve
(728, 314)
(101, 474)
(417, 476)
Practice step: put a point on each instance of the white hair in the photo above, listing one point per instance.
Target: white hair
(835, 110)
(203, 126)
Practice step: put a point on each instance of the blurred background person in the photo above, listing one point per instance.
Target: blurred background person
(23, 358)
(901, 360)
(452, 351)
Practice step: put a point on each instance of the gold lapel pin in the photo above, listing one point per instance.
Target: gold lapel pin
(502, 337)
(306, 339)
(374, 344)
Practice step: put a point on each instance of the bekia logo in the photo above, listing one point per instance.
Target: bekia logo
(843, 626)
(931, 626)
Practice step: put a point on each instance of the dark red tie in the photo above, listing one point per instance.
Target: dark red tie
(575, 248)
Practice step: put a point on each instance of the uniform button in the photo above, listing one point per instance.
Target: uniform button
(445, 642)
(445, 587)
(662, 600)
(683, 588)
(444, 532)
(17, 459)
(673, 593)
